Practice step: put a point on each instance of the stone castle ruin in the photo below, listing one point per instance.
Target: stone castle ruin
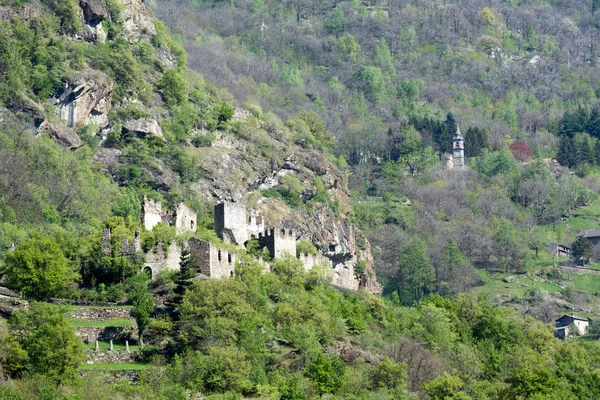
(183, 217)
(235, 225)
(213, 261)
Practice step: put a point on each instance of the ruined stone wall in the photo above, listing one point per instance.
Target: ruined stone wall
(278, 242)
(157, 261)
(185, 219)
(256, 224)
(109, 357)
(105, 243)
(343, 276)
(152, 213)
(214, 262)
(311, 260)
(231, 223)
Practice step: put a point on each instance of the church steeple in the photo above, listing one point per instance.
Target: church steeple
(458, 149)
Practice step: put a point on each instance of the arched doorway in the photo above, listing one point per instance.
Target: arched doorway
(148, 271)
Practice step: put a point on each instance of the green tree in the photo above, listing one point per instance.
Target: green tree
(327, 373)
(415, 273)
(142, 302)
(446, 387)
(388, 374)
(173, 88)
(506, 242)
(348, 47)
(384, 60)
(38, 268)
(567, 153)
(373, 83)
(183, 281)
(13, 358)
(581, 250)
(337, 20)
(476, 140)
(50, 342)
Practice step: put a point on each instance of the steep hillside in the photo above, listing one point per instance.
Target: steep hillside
(324, 130)
(121, 99)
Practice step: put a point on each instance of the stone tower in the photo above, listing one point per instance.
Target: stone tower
(458, 150)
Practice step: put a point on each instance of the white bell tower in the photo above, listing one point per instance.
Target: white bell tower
(458, 149)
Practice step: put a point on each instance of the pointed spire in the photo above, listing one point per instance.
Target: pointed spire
(457, 134)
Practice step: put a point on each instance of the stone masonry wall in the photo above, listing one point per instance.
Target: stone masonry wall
(213, 261)
(185, 219)
(100, 314)
(152, 213)
(343, 276)
(231, 223)
(278, 242)
(90, 334)
(311, 260)
(109, 357)
(157, 262)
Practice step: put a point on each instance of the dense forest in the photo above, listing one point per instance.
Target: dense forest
(342, 112)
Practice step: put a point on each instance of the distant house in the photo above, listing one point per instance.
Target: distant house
(559, 250)
(566, 322)
(594, 238)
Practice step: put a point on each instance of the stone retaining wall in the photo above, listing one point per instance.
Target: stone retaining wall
(90, 334)
(112, 357)
(101, 314)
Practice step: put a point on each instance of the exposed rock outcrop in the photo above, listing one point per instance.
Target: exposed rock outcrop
(85, 98)
(62, 133)
(137, 20)
(93, 11)
(145, 127)
(26, 13)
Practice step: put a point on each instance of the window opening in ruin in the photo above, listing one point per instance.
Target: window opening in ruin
(148, 271)
(192, 225)
(231, 274)
(332, 248)
(219, 255)
(229, 258)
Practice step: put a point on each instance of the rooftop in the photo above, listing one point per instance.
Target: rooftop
(588, 234)
(573, 317)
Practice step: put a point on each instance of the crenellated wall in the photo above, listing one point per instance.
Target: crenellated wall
(311, 260)
(278, 241)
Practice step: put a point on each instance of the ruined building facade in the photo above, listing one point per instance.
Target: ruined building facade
(183, 217)
(235, 225)
(213, 262)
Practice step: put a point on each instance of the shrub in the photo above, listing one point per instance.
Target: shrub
(173, 88)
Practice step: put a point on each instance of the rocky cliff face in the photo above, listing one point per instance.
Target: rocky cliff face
(86, 97)
(235, 173)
